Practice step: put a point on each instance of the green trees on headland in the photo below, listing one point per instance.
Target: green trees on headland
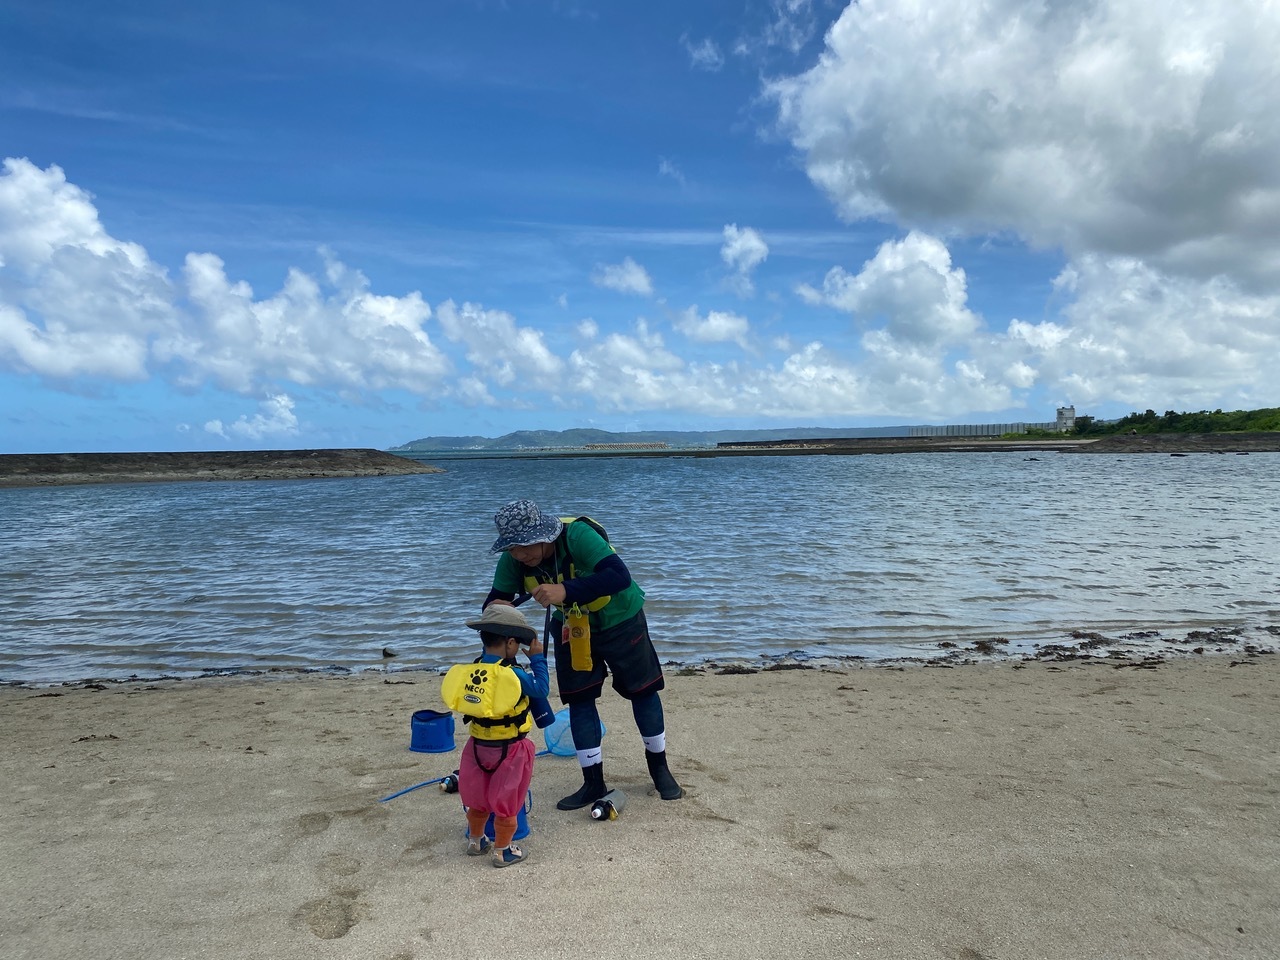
(1235, 421)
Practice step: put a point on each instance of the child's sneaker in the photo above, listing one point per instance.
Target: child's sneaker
(478, 846)
(507, 856)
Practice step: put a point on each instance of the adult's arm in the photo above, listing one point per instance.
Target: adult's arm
(610, 576)
(497, 594)
(506, 581)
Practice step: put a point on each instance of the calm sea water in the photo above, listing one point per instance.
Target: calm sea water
(873, 556)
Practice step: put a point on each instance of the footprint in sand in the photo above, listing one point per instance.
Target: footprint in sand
(332, 917)
(313, 823)
(338, 865)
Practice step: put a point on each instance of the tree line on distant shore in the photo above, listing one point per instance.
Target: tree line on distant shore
(1205, 421)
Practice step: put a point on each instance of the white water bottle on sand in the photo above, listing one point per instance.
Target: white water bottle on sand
(609, 806)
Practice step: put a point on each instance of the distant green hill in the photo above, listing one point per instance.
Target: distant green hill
(1267, 419)
(537, 439)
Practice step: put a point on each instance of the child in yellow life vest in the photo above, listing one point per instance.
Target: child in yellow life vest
(493, 695)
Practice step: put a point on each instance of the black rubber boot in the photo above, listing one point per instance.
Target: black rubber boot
(592, 789)
(668, 789)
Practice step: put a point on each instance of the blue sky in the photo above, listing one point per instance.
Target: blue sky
(285, 224)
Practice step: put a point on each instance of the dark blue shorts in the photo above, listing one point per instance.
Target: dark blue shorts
(624, 650)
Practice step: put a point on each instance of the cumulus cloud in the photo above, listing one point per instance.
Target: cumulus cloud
(334, 334)
(274, 420)
(718, 326)
(1116, 128)
(911, 286)
(810, 382)
(1140, 141)
(1136, 334)
(625, 277)
(743, 250)
(499, 349)
(73, 299)
(75, 302)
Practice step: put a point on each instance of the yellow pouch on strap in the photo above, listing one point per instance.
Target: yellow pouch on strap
(578, 625)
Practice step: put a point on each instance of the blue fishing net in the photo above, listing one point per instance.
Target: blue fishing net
(560, 738)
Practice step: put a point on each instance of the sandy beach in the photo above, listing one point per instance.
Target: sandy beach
(1011, 810)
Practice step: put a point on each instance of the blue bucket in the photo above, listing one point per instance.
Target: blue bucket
(431, 732)
(522, 820)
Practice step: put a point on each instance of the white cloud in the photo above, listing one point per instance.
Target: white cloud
(274, 419)
(78, 305)
(335, 335)
(1113, 128)
(669, 169)
(625, 277)
(73, 299)
(621, 367)
(1153, 339)
(743, 250)
(473, 391)
(499, 349)
(791, 25)
(704, 55)
(911, 286)
(76, 302)
(1139, 140)
(718, 326)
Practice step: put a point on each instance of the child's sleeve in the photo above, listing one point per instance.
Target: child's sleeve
(536, 685)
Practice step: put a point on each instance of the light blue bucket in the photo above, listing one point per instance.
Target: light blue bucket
(559, 737)
(431, 732)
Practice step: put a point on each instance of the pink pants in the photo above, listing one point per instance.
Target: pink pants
(503, 791)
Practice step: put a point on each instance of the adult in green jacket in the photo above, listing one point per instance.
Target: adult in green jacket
(562, 564)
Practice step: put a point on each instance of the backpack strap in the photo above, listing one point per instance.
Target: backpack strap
(475, 752)
(515, 719)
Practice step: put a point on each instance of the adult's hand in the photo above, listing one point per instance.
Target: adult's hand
(549, 594)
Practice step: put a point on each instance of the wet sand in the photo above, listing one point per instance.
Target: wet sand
(1084, 808)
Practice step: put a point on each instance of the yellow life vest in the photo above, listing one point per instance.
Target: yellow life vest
(531, 583)
(490, 698)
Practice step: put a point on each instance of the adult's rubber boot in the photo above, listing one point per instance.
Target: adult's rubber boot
(592, 789)
(668, 789)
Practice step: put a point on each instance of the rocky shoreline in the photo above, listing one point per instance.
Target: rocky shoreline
(51, 469)
(1180, 443)
(42, 469)
(1170, 444)
(1166, 443)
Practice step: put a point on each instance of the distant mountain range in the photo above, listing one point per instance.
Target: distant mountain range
(678, 439)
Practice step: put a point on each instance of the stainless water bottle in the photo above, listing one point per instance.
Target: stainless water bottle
(609, 806)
